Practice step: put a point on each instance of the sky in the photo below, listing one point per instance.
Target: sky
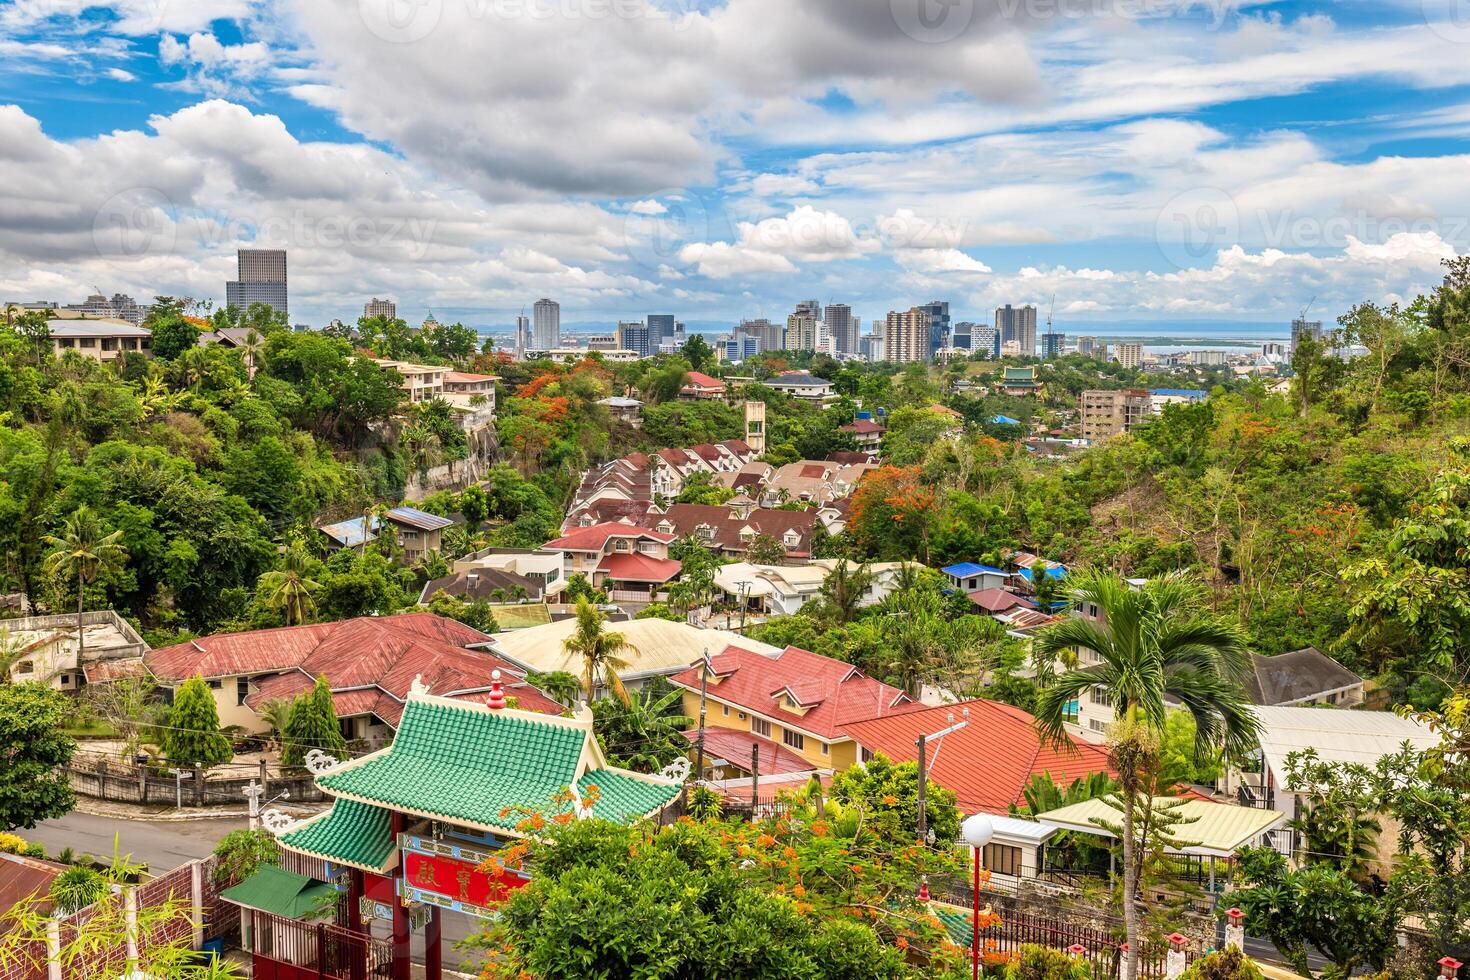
(1156, 161)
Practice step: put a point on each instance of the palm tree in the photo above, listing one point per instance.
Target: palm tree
(1153, 642)
(602, 652)
(844, 587)
(643, 734)
(85, 549)
(250, 347)
(11, 650)
(290, 589)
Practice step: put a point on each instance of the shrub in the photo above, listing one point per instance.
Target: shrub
(76, 888)
(1225, 964)
(11, 844)
(241, 853)
(1045, 963)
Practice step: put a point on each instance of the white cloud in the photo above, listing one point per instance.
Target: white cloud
(722, 260)
(120, 75)
(648, 207)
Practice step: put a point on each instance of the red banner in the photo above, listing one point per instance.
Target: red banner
(461, 881)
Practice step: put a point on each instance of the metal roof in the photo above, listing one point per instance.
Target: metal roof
(420, 519)
(1337, 735)
(1206, 828)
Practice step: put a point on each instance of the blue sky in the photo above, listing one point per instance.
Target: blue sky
(1159, 161)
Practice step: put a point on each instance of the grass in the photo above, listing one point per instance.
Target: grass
(518, 617)
(92, 729)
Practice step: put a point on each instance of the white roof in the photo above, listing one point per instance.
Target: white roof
(105, 327)
(1206, 828)
(1337, 734)
(664, 647)
(1009, 830)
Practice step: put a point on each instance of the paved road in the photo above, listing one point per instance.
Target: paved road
(160, 844)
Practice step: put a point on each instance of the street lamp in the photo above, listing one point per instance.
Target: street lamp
(976, 831)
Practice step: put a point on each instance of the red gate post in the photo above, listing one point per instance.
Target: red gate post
(402, 964)
(433, 949)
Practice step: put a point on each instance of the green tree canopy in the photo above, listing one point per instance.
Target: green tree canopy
(33, 753)
(193, 738)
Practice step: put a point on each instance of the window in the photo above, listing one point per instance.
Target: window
(866, 755)
(826, 749)
(726, 709)
(87, 342)
(1003, 859)
(795, 740)
(760, 727)
(26, 667)
(1097, 724)
(242, 690)
(66, 680)
(216, 684)
(1101, 696)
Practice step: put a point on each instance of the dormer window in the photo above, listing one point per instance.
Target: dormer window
(791, 538)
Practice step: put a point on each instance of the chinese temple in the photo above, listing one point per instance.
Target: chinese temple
(413, 829)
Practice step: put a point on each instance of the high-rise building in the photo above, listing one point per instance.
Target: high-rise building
(1052, 344)
(906, 336)
(1301, 327)
(523, 335)
(1109, 413)
(842, 327)
(660, 330)
(801, 328)
(636, 336)
(964, 335)
(1017, 325)
(986, 340)
(1129, 355)
(385, 308)
(261, 278)
(546, 317)
(1272, 348)
(769, 335)
(121, 307)
(1087, 346)
(938, 311)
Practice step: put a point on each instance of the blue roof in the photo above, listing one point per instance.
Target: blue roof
(1181, 393)
(1055, 571)
(1004, 420)
(350, 533)
(967, 569)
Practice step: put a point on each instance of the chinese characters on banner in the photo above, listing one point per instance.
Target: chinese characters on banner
(461, 882)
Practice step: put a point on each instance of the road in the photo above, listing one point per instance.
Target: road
(159, 844)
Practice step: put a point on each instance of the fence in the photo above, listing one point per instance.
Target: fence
(105, 778)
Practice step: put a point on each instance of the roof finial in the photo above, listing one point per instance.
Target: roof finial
(497, 692)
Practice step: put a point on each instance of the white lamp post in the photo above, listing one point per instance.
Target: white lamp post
(977, 830)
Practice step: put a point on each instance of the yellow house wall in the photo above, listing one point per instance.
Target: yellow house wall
(840, 755)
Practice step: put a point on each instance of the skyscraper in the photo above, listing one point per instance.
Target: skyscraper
(1052, 344)
(1129, 355)
(547, 317)
(906, 336)
(660, 330)
(636, 336)
(986, 340)
(385, 308)
(1301, 327)
(1017, 325)
(842, 327)
(523, 335)
(1087, 346)
(938, 311)
(767, 333)
(261, 278)
(801, 327)
(963, 337)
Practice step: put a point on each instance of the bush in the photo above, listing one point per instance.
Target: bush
(11, 844)
(1225, 964)
(1045, 963)
(76, 888)
(241, 853)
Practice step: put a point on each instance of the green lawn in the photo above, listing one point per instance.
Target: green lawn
(513, 616)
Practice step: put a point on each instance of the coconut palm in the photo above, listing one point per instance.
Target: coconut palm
(289, 589)
(643, 734)
(1153, 642)
(84, 550)
(844, 587)
(250, 348)
(602, 652)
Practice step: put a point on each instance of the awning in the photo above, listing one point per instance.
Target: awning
(1205, 829)
(284, 893)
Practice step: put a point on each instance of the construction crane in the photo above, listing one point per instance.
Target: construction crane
(1303, 315)
(1050, 309)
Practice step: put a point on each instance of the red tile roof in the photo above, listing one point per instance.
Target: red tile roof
(687, 519)
(989, 761)
(639, 568)
(734, 747)
(596, 537)
(836, 693)
(699, 380)
(999, 600)
(863, 426)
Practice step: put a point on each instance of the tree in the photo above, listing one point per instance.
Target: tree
(290, 590)
(173, 335)
(83, 551)
(645, 733)
(763, 549)
(888, 792)
(697, 351)
(193, 739)
(312, 724)
(559, 684)
(844, 588)
(603, 653)
(1157, 643)
(33, 754)
(240, 853)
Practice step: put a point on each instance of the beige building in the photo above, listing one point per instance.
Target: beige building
(385, 308)
(422, 382)
(1109, 413)
(906, 336)
(1129, 355)
(101, 340)
(47, 650)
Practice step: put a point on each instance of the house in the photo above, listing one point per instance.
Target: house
(751, 478)
(1302, 677)
(48, 650)
(101, 340)
(729, 528)
(971, 577)
(701, 386)
(804, 387)
(629, 410)
(488, 584)
(1019, 381)
(867, 434)
(800, 700)
(421, 382)
(369, 662)
(988, 753)
(781, 590)
(660, 648)
(417, 532)
(602, 552)
(1000, 602)
(813, 481)
(541, 567)
(471, 391)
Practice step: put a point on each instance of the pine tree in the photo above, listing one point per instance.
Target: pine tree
(193, 738)
(312, 725)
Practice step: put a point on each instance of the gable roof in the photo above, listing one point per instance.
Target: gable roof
(1337, 734)
(863, 426)
(698, 379)
(638, 568)
(480, 583)
(968, 569)
(1294, 676)
(280, 892)
(795, 379)
(999, 600)
(596, 537)
(834, 693)
(22, 877)
(687, 518)
(1206, 828)
(988, 762)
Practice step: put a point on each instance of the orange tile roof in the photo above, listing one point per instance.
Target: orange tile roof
(595, 538)
(639, 568)
(989, 761)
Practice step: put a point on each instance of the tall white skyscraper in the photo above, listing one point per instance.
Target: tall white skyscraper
(547, 317)
(1129, 355)
(384, 308)
(1017, 325)
(523, 335)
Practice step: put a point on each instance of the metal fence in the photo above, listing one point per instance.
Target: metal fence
(106, 778)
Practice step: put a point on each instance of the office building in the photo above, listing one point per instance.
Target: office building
(261, 278)
(546, 320)
(985, 340)
(842, 327)
(603, 341)
(385, 308)
(1017, 325)
(523, 336)
(660, 330)
(906, 336)
(1207, 358)
(1129, 355)
(738, 348)
(1087, 346)
(801, 328)
(1305, 328)
(938, 311)
(1273, 349)
(1052, 345)
(963, 337)
(769, 335)
(1106, 414)
(636, 336)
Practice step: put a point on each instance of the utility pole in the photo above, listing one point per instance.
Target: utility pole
(253, 792)
(703, 687)
(923, 780)
(755, 777)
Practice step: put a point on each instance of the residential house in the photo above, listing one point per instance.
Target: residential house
(1303, 677)
(751, 478)
(729, 528)
(629, 410)
(867, 434)
(781, 590)
(1000, 603)
(471, 391)
(488, 584)
(369, 662)
(101, 340)
(813, 481)
(48, 650)
(542, 567)
(800, 700)
(417, 532)
(804, 387)
(421, 382)
(971, 577)
(635, 558)
(660, 648)
(702, 387)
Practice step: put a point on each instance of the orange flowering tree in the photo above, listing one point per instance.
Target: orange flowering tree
(892, 512)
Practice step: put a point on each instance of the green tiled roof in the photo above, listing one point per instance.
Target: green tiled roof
(282, 892)
(621, 797)
(957, 922)
(351, 833)
(466, 764)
